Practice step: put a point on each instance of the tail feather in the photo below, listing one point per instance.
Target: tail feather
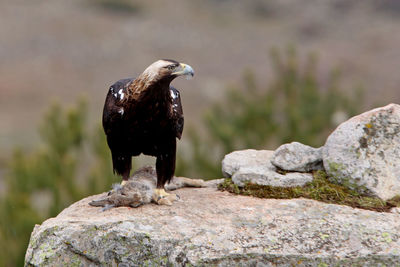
(122, 164)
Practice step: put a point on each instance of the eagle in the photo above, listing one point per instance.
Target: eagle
(145, 115)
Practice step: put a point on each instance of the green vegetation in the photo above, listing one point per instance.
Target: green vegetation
(73, 161)
(69, 165)
(294, 106)
(320, 189)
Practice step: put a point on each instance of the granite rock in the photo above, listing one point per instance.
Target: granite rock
(255, 166)
(363, 153)
(213, 228)
(297, 157)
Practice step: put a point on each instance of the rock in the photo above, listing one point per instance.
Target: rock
(297, 157)
(267, 175)
(213, 228)
(255, 166)
(363, 153)
(395, 210)
(232, 162)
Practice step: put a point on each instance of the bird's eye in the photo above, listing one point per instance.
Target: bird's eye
(171, 67)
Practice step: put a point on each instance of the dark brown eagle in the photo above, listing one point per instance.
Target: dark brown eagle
(144, 115)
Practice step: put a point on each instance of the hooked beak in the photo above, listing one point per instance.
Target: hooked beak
(184, 69)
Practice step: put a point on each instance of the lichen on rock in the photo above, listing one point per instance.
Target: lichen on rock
(210, 227)
(364, 152)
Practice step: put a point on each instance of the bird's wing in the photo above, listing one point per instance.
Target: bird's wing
(177, 111)
(114, 124)
(113, 109)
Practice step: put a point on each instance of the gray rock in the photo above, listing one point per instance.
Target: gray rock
(395, 210)
(297, 157)
(232, 162)
(363, 153)
(213, 228)
(255, 166)
(267, 175)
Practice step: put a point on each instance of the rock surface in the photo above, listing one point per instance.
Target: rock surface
(255, 166)
(297, 157)
(363, 153)
(395, 210)
(216, 228)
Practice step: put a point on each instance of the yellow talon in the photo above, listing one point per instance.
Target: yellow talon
(124, 182)
(163, 198)
(161, 192)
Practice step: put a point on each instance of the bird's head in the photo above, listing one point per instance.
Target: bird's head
(167, 70)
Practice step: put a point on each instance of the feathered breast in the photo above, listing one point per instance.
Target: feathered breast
(133, 109)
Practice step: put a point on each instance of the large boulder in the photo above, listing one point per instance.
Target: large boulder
(297, 157)
(255, 166)
(213, 228)
(363, 153)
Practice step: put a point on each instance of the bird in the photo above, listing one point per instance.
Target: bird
(144, 115)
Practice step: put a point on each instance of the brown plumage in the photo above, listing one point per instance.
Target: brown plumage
(144, 115)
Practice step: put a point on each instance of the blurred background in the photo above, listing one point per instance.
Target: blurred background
(267, 72)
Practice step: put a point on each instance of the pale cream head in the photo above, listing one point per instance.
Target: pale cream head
(167, 68)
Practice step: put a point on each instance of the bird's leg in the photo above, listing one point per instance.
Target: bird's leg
(165, 168)
(122, 165)
(161, 192)
(125, 177)
(163, 198)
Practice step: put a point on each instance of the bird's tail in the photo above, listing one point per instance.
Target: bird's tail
(122, 164)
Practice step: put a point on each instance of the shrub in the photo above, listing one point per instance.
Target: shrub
(68, 165)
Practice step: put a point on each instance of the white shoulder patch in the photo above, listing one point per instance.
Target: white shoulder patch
(173, 94)
(121, 111)
(121, 94)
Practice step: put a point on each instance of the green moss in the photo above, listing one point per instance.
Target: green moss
(334, 166)
(395, 201)
(320, 189)
(336, 169)
(228, 185)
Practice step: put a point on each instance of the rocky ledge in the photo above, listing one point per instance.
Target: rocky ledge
(209, 227)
